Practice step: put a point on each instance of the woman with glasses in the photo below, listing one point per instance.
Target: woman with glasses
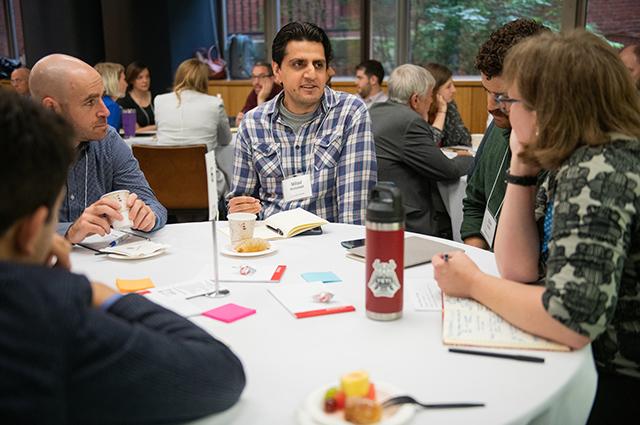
(574, 113)
(443, 113)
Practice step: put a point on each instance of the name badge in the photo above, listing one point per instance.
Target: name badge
(297, 187)
(488, 229)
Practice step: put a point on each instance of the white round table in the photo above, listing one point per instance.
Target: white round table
(286, 358)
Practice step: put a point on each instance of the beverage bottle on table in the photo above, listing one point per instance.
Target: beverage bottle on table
(384, 257)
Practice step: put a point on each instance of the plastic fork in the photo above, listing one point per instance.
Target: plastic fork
(406, 399)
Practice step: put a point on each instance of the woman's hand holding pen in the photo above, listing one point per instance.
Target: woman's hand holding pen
(455, 273)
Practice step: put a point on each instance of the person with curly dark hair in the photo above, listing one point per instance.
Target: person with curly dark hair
(486, 185)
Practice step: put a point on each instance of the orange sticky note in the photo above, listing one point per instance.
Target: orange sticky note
(134, 285)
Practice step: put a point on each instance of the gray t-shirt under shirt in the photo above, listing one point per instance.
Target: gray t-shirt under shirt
(295, 121)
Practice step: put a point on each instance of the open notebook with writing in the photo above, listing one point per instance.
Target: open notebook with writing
(467, 322)
(286, 224)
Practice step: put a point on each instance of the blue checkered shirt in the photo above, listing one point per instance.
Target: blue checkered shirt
(336, 147)
(103, 166)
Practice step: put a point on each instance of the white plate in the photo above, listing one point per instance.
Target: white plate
(228, 250)
(312, 409)
(139, 257)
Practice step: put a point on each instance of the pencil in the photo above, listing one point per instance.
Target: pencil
(499, 355)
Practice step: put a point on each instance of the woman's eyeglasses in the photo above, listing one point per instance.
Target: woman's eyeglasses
(505, 101)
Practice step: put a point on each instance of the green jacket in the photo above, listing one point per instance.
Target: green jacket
(494, 148)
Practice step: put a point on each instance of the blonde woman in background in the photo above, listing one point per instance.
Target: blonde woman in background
(189, 116)
(115, 87)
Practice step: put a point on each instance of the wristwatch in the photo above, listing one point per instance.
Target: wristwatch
(520, 180)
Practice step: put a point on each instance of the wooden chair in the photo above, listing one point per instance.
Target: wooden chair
(177, 175)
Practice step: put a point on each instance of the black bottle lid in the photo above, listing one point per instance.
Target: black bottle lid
(385, 204)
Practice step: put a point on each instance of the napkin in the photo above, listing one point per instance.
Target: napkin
(136, 249)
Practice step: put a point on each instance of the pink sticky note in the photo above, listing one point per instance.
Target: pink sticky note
(229, 312)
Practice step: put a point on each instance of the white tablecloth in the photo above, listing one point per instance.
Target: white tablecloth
(452, 193)
(287, 358)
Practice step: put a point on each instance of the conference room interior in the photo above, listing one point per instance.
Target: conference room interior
(473, 365)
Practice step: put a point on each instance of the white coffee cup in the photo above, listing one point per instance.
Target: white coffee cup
(121, 197)
(241, 226)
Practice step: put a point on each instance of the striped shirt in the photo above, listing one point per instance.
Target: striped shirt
(336, 148)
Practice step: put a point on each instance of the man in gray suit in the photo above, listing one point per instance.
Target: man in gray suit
(407, 152)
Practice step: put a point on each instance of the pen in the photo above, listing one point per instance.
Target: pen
(499, 355)
(97, 251)
(321, 312)
(278, 231)
(136, 235)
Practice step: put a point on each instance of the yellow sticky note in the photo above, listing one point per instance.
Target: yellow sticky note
(134, 285)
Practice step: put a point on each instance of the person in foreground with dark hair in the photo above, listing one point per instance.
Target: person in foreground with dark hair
(309, 147)
(369, 76)
(486, 186)
(443, 113)
(73, 351)
(579, 231)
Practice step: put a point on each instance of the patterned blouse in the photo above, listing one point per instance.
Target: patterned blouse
(593, 265)
(454, 133)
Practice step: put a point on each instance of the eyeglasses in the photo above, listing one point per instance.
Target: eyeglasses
(259, 77)
(505, 101)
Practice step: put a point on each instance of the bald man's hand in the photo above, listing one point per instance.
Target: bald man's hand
(95, 219)
(141, 215)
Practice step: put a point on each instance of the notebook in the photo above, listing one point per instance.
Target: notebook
(416, 251)
(286, 224)
(467, 322)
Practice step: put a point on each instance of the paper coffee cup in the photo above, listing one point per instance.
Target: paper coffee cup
(241, 226)
(120, 196)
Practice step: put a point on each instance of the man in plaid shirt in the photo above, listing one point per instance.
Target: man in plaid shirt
(309, 147)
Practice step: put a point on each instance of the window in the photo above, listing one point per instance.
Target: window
(11, 38)
(341, 21)
(616, 20)
(383, 34)
(445, 31)
(246, 17)
(451, 31)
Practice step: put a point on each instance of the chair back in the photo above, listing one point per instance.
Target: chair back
(177, 174)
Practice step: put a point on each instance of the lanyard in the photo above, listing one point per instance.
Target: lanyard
(496, 180)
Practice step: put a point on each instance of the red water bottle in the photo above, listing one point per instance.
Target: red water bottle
(385, 252)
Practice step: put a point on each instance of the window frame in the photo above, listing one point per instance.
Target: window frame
(574, 15)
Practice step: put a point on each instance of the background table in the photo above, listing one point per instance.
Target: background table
(286, 358)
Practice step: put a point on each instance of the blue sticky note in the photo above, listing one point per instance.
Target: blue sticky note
(324, 277)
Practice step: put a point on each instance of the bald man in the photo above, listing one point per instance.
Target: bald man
(20, 81)
(103, 162)
(630, 56)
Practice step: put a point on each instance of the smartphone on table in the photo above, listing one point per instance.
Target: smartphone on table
(353, 243)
